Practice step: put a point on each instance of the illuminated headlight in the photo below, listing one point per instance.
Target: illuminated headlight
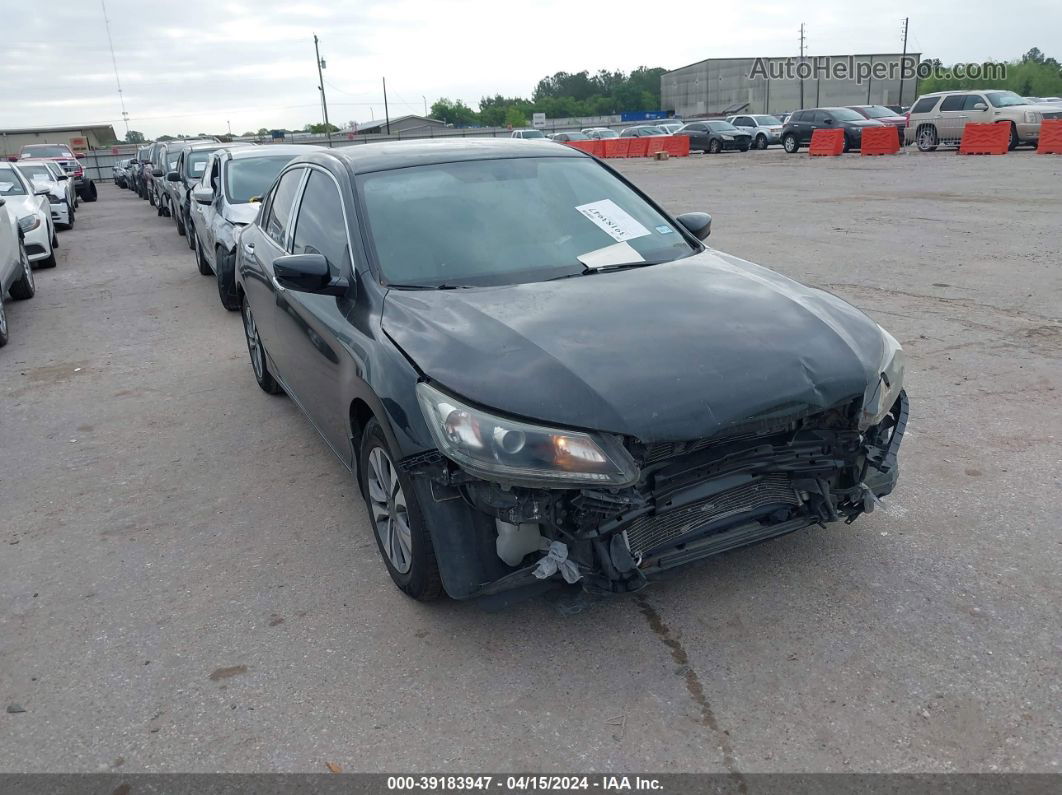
(1033, 117)
(882, 393)
(498, 448)
(28, 223)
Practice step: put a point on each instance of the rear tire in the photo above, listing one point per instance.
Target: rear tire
(926, 137)
(259, 364)
(397, 519)
(89, 193)
(3, 322)
(25, 287)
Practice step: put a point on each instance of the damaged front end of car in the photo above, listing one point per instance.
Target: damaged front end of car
(511, 503)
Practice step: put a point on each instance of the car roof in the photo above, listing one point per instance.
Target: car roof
(387, 155)
(271, 150)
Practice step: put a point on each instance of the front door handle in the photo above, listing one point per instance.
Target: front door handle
(248, 248)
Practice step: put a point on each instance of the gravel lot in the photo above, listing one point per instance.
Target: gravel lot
(188, 581)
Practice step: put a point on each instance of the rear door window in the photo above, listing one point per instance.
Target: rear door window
(280, 206)
(954, 102)
(925, 104)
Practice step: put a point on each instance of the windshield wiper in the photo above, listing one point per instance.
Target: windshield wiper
(587, 271)
(427, 286)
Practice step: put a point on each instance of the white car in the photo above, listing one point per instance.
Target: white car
(528, 134)
(16, 275)
(39, 175)
(30, 207)
(671, 126)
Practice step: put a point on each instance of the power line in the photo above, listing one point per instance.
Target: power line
(114, 62)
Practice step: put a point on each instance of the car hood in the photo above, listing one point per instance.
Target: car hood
(243, 213)
(682, 350)
(20, 206)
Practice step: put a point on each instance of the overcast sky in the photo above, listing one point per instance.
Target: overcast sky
(195, 66)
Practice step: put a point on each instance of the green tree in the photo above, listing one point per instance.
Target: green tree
(456, 113)
(134, 137)
(320, 128)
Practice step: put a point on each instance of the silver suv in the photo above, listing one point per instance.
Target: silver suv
(938, 119)
(764, 129)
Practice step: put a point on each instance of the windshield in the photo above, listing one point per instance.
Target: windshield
(532, 134)
(649, 131)
(877, 112)
(767, 121)
(195, 163)
(10, 184)
(46, 150)
(249, 177)
(606, 134)
(722, 126)
(487, 222)
(576, 136)
(1005, 99)
(845, 114)
(37, 172)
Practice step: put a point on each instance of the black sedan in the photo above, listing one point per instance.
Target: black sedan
(538, 375)
(715, 136)
(799, 127)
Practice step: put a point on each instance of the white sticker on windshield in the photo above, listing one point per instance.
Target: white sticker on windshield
(6, 186)
(613, 220)
(199, 167)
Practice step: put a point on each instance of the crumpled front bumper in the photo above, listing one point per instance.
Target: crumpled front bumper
(693, 500)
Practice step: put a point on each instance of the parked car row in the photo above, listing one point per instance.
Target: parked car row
(38, 197)
(211, 190)
(61, 155)
(454, 318)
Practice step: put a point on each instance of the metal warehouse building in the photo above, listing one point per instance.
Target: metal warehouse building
(80, 138)
(773, 85)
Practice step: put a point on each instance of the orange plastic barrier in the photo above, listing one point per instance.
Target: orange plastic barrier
(985, 138)
(880, 141)
(617, 147)
(826, 143)
(654, 145)
(639, 147)
(598, 148)
(677, 145)
(1050, 137)
(583, 146)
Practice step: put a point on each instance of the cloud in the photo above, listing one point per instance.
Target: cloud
(196, 65)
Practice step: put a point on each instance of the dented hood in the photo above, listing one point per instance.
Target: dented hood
(676, 351)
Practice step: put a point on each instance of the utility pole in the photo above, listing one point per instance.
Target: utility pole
(903, 58)
(425, 105)
(387, 115)
(320, 77)
(801, 70)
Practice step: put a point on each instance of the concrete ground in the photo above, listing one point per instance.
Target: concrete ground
(188, 581)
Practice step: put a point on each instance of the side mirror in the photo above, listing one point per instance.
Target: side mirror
(697, 224)
(203, 195)
(156, 171)
(980, 106)
(41, 191)
(173, 176)
(79, 155)
(308, 273)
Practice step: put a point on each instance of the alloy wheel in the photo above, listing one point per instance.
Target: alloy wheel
(390, 514)
(3, 320)
(26, 267)
(254, 342)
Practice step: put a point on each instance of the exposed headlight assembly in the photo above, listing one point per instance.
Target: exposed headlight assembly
(880, 395)
(1032, 117)
(498, 448)
(28, 223)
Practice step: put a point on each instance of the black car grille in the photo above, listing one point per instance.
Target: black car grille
(1053, 115)
(661, 451)
(647, 533)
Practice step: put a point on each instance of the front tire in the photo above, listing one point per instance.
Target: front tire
(3, 322)
(714, 147)
(226, 273)
(1014, 141)
(200, 260)
(397, 520)
(25, 287)
(790, 144)
(761, 142)
(257, 352)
